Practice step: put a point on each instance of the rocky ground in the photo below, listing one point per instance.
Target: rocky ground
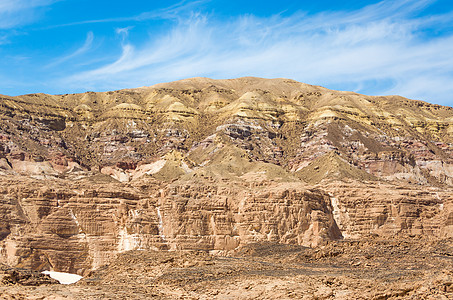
(367, 269)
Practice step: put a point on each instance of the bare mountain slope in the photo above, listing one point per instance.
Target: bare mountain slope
(215, 165)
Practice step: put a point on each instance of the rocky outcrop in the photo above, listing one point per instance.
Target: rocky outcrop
(391, 211)
(25, 277)
(214, 165)
(78, 227)
(211, 217)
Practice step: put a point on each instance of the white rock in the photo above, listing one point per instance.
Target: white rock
(63, 278)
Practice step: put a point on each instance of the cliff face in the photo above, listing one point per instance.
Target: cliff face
(215, 164)
(74, 227)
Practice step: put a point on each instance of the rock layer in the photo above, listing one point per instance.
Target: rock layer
(215, 165)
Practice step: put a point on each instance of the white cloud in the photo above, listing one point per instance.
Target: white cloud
(17, 12)
(174, 12)
(381, 43)
(17, 5)
(82, 50)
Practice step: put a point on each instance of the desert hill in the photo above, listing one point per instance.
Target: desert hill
(217, 165)
(277, 121)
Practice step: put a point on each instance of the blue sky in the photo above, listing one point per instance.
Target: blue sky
(371, 47)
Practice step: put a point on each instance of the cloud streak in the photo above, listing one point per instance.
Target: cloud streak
(172, 12)
(87, 45)
(379, 49)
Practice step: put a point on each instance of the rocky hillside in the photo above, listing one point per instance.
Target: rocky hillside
(214, 165)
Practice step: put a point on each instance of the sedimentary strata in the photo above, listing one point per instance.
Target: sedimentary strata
(216, 165)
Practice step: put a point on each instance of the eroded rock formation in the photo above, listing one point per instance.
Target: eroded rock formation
(214, 165)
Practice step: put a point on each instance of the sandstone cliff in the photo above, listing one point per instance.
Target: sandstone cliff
(213, 165)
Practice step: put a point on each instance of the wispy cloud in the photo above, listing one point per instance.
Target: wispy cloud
(18, 12)
(81, 50)
(379, 49)
(175, 12)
